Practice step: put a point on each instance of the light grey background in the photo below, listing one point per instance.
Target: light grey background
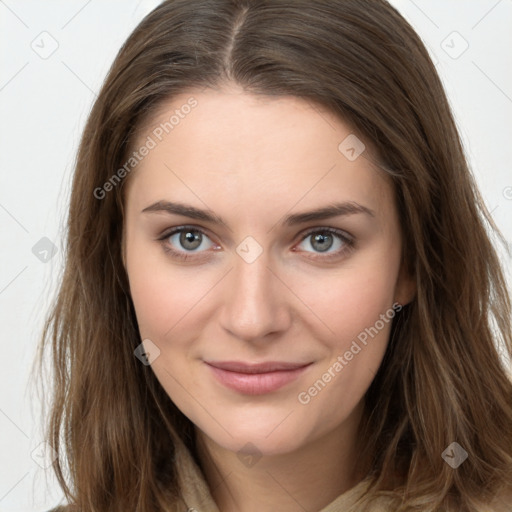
(45, 98)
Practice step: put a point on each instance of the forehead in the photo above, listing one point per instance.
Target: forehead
(236, 149)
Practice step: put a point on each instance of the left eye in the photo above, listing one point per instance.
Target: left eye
(323, 240)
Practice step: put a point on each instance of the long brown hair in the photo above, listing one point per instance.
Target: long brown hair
(441, 380)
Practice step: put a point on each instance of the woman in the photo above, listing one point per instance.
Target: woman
(279, 290)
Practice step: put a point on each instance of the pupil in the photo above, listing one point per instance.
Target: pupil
(324, 241)
(190, 240)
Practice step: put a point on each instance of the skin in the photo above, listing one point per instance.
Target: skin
(252, 160)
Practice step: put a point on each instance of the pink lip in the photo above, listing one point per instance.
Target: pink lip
(256, 379)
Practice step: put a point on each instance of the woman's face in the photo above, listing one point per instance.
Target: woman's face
(273, 327)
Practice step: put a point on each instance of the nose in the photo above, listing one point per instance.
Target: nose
(256, 307)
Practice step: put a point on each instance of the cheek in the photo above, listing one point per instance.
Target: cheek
(153, 298)
(163, 294)
(352, 298)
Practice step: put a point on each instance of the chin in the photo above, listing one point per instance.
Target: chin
(263, 438)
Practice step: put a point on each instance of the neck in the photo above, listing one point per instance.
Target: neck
(309, 478)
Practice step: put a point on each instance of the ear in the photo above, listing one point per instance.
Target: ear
(405, 289)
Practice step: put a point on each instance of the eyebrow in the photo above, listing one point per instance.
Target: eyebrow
(327, 212)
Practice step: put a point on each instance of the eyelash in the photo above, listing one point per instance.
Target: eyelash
(348, 242)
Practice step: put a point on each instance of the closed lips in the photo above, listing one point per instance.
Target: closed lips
(267, 367)
(256, 379)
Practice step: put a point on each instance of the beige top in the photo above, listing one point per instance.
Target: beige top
(197, 497)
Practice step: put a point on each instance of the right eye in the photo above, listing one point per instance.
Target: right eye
(185, 241)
